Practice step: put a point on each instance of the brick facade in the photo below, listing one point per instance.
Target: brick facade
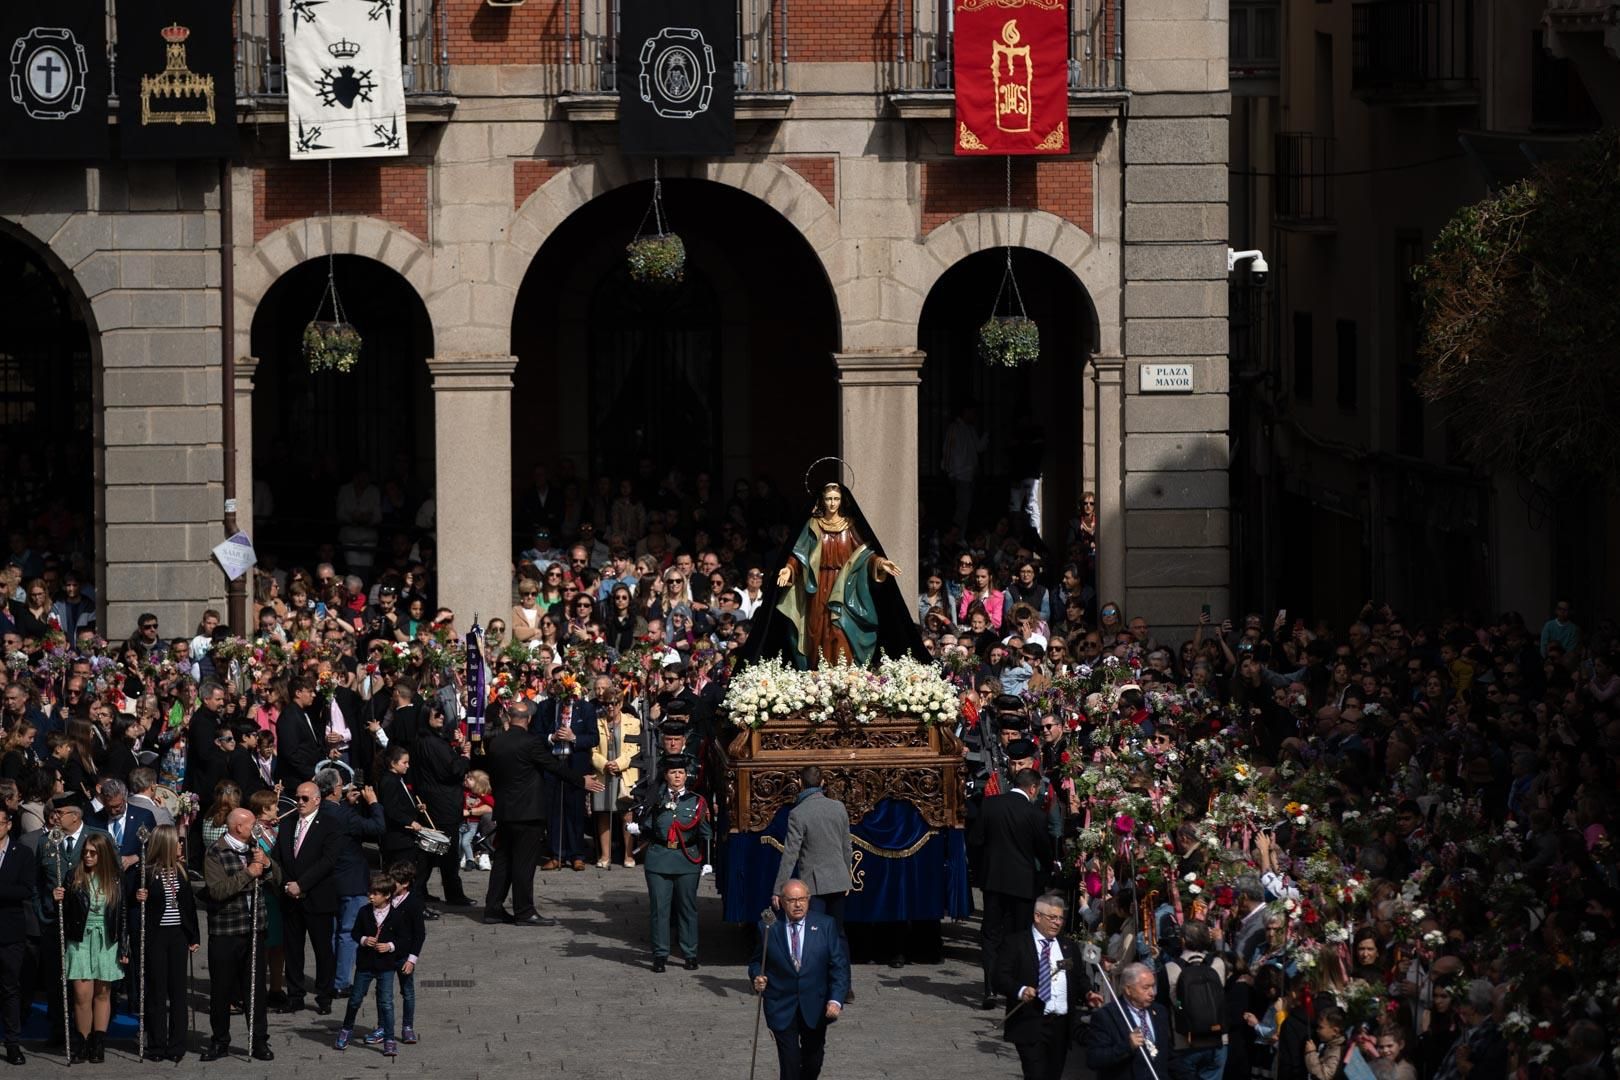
(1061, 186)
(821, 172)
(834, 31)
(529, 176)
(531, 33)
(394, 193)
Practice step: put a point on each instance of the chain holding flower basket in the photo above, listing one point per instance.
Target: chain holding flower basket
(1009, 338)
(659, 257)
(331, 344)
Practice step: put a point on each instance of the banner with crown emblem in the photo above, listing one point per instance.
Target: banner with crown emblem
(54, 103)
(1012, 76)
(345, 87)
(176, 79)
(677, 84)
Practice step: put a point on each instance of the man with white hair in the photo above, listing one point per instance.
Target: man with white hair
(1480, 1052)
(1131, 1037)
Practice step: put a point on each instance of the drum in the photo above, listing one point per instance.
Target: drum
(166, 798)
(432, 841)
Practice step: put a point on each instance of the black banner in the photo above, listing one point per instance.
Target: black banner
(176, 79)
(676, 83)
(55, 101)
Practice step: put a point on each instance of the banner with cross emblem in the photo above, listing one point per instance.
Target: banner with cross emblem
(55, 101)
(345, 86)
(176, 79)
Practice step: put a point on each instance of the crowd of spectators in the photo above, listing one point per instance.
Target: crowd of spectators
(1395, 830)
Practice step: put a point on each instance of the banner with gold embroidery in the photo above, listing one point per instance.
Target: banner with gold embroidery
(1012, 76)
(176, 79)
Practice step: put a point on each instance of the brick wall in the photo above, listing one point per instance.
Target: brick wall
(528, 176)
(830, 31)
(394, 193)
(821, 172)
(1061, 186)
(531, 33)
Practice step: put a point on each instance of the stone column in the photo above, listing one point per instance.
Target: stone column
(246, 368)
(877, 436)
(1109, 375)
(472, 438)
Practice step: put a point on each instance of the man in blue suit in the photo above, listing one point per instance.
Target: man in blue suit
(123, 821)
(802, 968)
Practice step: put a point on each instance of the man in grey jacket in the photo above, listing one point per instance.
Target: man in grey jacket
(818, 846)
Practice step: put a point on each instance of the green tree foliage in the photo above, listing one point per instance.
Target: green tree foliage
(1521, 340)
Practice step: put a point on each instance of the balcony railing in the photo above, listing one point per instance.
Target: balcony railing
(922, 58)
(1304, 196)
(424, 48)
(591, 47)
(1413, 50)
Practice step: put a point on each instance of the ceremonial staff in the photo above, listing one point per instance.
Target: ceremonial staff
(144, 834)
(768, 919)
(1093, 956)
(55, 839)
(261, 837)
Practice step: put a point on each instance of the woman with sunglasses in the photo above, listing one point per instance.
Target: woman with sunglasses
(583, 622)
(551, 588)
(526, 613)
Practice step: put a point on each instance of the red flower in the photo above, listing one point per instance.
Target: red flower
(1064, 757)
(1124, 824)
(1225, 896)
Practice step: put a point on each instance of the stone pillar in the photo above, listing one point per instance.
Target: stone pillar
(1109, 376)
(877, 436)
(472, 438)
(246, 368)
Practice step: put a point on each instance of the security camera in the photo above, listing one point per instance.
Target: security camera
(1257, 264)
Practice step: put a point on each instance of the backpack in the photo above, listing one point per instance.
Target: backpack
(1200, 1000)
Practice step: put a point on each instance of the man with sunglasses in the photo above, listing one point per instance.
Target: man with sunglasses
(308, 848)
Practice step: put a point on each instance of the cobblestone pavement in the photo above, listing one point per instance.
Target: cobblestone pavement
(578, 1000)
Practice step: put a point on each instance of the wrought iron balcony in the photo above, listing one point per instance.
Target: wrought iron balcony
(261, 70)
(1414, 51)
(1304, 181)
(922, 62)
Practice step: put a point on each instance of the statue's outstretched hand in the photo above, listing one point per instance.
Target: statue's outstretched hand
(887, 567)
(783, 576)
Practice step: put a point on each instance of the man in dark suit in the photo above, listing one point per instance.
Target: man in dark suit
(300, 742)
(204, 760)
(1044, 983)
(1128, 1034)
(407, 720)
(307, 850)
(242, 763)
(516, 759)
(802, 968)
(17, 872)
(569, 726)
(356, 824)
(1011, 831)
(122, 821)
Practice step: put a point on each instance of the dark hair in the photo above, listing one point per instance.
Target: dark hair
(402, 872)
(1027, 779)
(1333, 1015)
(381, 883)
(810, 776)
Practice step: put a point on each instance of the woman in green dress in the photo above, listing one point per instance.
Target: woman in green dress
(97, 941)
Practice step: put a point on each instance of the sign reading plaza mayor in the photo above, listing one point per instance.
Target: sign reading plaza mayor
(1166, 379)
(1012, 76)
(345, 85)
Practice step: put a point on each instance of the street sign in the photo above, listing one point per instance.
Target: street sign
(1167, 379)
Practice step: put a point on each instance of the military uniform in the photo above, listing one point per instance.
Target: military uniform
(677, 831)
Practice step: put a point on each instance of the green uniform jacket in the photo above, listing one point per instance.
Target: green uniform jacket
(688, 859)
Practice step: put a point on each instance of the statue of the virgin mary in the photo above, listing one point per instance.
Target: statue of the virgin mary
(836, 597)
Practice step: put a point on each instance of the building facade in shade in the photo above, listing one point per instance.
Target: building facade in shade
(840, 261)
(1358, 130)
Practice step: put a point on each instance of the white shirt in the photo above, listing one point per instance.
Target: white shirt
(304, 822)
(1058, 1003)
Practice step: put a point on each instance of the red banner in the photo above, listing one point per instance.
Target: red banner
(1012, 76)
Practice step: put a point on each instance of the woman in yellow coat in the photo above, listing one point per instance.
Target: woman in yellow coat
(618, 733)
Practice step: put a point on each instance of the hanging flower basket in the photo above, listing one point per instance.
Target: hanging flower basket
(1009, 341)
(331, 346)
(657, 260)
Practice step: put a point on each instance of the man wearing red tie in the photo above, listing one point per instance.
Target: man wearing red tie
(802, 968)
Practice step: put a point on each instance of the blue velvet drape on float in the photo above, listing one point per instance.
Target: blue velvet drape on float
(903, 868)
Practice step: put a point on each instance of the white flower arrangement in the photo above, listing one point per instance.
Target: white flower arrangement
(904, 687)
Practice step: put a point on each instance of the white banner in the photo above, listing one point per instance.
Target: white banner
(345, 89)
